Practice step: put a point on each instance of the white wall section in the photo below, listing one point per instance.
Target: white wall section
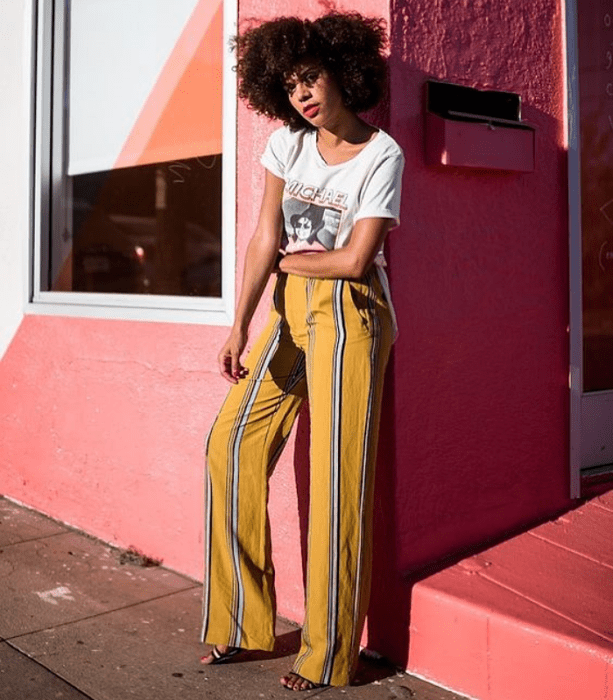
(15, 149)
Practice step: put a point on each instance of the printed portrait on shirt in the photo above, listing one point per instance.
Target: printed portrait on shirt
(309, 226)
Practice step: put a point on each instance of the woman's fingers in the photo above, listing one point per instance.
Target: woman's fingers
(225, 368)
(242, 372)
(230, 366)
(238, 370)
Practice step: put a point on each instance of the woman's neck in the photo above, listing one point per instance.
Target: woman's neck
(341, 143)
(350, 130)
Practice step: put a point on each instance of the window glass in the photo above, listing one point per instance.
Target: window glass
(595, 21)
(136, 167)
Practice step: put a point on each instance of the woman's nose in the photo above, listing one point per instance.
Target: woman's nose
(302, 91)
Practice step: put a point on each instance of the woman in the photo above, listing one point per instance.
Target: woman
(328, 338)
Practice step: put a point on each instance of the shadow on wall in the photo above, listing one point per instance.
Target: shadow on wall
(474, 432)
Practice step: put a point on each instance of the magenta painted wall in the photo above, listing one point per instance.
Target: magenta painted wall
(103, 422)
(477, 436)
(480, 275)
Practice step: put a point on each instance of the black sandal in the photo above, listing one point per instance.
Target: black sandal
(220, 657)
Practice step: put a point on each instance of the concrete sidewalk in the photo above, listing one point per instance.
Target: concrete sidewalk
(80, 620)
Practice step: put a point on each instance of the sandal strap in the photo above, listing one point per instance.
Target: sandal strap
(221, 656)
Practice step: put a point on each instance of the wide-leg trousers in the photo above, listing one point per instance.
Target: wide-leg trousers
(328, 341)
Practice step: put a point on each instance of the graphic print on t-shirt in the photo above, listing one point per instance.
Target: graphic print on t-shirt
(309, 226)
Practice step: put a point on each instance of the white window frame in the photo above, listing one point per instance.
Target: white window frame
(50, 76)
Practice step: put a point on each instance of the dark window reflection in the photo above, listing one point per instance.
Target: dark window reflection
(596, 123)
(150, 229)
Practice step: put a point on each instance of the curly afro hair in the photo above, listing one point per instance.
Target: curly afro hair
(347, 45)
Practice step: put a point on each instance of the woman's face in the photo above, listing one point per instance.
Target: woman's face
(314, 94)
(303, 228)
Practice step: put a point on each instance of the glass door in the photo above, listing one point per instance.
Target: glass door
(591, 203)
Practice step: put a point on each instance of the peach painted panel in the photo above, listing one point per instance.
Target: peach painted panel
(153, 71)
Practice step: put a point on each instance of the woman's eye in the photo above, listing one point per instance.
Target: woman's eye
(311, 78)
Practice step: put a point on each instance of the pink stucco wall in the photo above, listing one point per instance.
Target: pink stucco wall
(103, 422)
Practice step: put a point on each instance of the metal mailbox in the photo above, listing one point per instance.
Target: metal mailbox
(473, 128)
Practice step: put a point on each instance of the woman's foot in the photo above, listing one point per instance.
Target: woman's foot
(219, 654)
(294, 681)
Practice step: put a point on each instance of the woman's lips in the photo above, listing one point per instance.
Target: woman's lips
(311, 111)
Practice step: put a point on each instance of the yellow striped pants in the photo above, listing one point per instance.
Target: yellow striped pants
(328, 340)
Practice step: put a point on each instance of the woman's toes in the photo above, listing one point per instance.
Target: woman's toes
(293, 681)
(303, 684)
(290, 681)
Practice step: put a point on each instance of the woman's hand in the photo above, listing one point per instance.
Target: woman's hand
(229, 356)
(276, 267)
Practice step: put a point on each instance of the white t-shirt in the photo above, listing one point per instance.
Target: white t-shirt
(322, 202)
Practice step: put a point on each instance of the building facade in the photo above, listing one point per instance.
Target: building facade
(109, 337)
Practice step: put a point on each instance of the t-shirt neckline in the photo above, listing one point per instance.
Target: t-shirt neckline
(322, 161)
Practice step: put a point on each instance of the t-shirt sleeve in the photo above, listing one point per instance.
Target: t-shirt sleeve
(275, 154)
(381, 191)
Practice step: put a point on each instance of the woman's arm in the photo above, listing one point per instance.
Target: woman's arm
(350, 262)
(259, 261)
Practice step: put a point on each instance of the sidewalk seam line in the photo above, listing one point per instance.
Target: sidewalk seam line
(111, 548)
(34, 539)
(101, 614)
(53, 673)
